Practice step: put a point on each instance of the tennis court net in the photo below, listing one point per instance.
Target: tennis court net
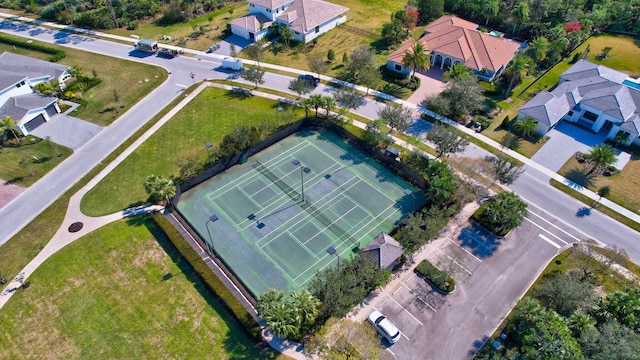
(331, 225)
(276, 180)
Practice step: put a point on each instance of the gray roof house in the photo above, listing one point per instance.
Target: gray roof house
(18, 75)
(384, 250)
(307, 19)
(593, 96)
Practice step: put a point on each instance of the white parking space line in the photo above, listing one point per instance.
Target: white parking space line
(555, 226)
(419, 298)
(389, 350)
(545, 230)
(465, 250)
(407, 311)
(455, 262)
(549, 241)
(474, 239)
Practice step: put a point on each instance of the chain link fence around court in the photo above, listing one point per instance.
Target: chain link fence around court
(279, 214)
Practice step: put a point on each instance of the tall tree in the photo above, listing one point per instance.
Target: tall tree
(159, 188)
(394, 32)
(307, 307)
(517, 70)
(601, 157)
(300, 86)
(349, 98)
(397, 117)
(254, 52)
(538, 49)
(464, 95)
(446, 140)
(8, 124)
(361, 58)
(417, 58)
(254, 74)
(505, 211)
(286, 34)
(520, 13)
(507, 171)
(315, 102)
(328, 103)
(317, 64)
(369, 77)
(346, 339)
(456, 72)
(429, 9)
(490, 9)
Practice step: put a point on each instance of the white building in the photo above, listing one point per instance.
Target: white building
(18, 76)
(594, 97)
(308, 19)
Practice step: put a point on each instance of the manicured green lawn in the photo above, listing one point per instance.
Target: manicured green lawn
(120, 292)
(624, 186)
(42, 156)
(132, 81)
(624, 56)
(209, 117)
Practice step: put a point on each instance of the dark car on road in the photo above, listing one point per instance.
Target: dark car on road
(310, 79)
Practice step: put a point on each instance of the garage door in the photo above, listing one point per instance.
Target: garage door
(51, 110)
(35, 122)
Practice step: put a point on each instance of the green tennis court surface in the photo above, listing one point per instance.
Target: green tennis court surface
(272, 234)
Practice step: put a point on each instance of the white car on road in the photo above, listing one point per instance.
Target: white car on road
(384, 326)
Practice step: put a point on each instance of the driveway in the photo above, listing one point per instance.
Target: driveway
(430, 85)
(564, 140)
(67, 131)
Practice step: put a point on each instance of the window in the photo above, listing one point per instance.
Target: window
(317, 29)
(398, 67)
(570, 113)
(590, 116)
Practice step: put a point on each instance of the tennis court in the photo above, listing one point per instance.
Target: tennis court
(276, 219)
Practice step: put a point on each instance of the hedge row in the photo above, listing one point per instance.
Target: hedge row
(57, 54)
(436, 276)
(208, 276)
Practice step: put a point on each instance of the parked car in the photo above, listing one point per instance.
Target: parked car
(213, 48)
(310, 78)
(384, 327)
(167, 53)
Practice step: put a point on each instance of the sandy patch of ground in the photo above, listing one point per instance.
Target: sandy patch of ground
(8, 192)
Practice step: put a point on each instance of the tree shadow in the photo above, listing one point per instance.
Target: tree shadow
(238, 93)
(581, 177)
(479, 241)
(583, 212)
(511, 141)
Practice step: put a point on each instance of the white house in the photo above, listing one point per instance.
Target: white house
(307, 19)
(450, 40)
(18, 76)
(593, 96)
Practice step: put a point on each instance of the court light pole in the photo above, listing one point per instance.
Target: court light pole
(303, 170)
(413, 198)
(212, 218)
(331, 250)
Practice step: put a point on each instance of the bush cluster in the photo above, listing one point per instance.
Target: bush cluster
(207, 276)
(437, 277)
(57, 54)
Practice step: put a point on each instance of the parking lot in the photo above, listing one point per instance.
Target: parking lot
(491, 274)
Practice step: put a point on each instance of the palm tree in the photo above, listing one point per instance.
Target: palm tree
(329, 103)
(457, 71)
(490, 9)
(316, 102)
(520, 12)
(538, 49)
(417, 58)
(307, 306)
(505, 211)
(281, 319)
(526, 126)
(579, 322)
(601, 157)
(517, 70)
(8, 124)
(159, 188)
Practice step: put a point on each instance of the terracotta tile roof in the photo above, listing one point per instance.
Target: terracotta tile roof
(304, 15)
(458, 38)
(252, 22)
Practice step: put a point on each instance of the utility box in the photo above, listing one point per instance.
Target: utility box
(232, 63)
(148, 46)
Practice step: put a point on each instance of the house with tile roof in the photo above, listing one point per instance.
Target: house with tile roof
(384, 251)
(18, 77)
(594, 97)
(450, 40)
(308, 19)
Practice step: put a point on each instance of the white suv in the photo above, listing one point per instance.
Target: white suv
(384, 327)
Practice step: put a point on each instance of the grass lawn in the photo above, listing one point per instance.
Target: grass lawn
(624, 186)
(134, 298)
(209, 117)
(214, 24)
(624, 56)
(46, 153)
(125, 77)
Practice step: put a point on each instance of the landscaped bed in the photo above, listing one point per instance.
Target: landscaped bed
(435, 276)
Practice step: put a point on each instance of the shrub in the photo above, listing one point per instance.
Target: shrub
(56, 53)
(437, 277)
(505, 122)
(207, 276)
